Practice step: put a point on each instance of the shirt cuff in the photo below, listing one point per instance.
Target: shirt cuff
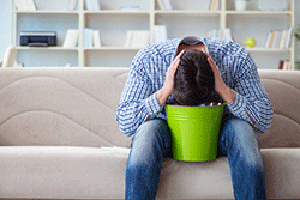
(237, 107)
(152, 105)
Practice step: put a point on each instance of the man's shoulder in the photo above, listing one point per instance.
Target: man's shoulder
(225, 47)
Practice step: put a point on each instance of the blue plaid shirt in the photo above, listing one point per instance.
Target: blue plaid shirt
(148, 73)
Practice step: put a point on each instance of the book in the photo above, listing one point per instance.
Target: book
(87, 38)
(289, 35)
(285, 65)
(71, 5)
(128, 38)
(160, 33)
(160, 5)
(227, 34)
(283, 39)
(97, 39)
(92, 5)
(137, 39)
(20, 5)
(213, 5)
(167, 5)
(31, 5)
(71, 38)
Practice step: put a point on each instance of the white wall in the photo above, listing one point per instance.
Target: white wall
(5, 26)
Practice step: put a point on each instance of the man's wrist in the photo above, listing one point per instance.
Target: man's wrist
(162, 96)
(227, 94)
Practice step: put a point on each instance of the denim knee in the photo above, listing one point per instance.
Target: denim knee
(151, 140)
(239, 137)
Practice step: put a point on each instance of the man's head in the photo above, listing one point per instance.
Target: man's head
(194, 80)
(191, 42)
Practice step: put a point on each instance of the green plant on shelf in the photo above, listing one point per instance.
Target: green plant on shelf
(297, 35)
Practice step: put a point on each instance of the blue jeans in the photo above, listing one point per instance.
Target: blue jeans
(152, 142)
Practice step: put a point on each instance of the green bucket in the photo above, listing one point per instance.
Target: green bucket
(195, 131)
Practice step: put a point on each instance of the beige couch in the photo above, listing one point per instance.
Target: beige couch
(54, 121)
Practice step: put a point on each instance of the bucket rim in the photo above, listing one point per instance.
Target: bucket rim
(214, 104)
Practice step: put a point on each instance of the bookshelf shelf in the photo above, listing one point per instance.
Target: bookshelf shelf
(45, 12)
(260, 12)
(112, 49)
(184, 19)
(48, 48)
(268, 49)
(117, 12)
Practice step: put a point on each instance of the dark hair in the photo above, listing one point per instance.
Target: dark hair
(194, 80)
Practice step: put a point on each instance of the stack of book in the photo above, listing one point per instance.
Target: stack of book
(92, 5)
(26, 5)
(91, 38)
(164, 5)
(279, 38)
(285, 65)
(160, 33)
(137, 39)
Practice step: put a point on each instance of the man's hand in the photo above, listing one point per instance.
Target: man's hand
(226, 93)
(168, 87)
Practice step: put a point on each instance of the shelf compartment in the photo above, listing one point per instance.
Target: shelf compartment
(184, 24)
(47, 57)
(191, 5)
(113, 5)
(116, 58)
(59, 23)
(113, 28)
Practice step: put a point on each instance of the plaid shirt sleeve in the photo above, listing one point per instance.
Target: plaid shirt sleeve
(137, 100)
(251, 102)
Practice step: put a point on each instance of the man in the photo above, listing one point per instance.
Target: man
(142, 113)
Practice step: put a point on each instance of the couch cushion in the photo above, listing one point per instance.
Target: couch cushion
(61, 106)
(92, 173)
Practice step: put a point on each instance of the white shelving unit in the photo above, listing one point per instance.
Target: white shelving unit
(186, 18)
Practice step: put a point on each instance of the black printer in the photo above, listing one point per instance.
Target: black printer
(38, 38)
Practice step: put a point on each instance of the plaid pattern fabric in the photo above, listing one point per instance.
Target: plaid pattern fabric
(148, 73)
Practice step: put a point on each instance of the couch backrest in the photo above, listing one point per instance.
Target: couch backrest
(77, 107)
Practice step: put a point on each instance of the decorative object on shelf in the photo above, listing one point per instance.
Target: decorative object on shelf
(250, 42)
(129, 8)
(271, 5)
(26, 5)
(297, 65)
(297, 35)
(241, 5)
(92, 5)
